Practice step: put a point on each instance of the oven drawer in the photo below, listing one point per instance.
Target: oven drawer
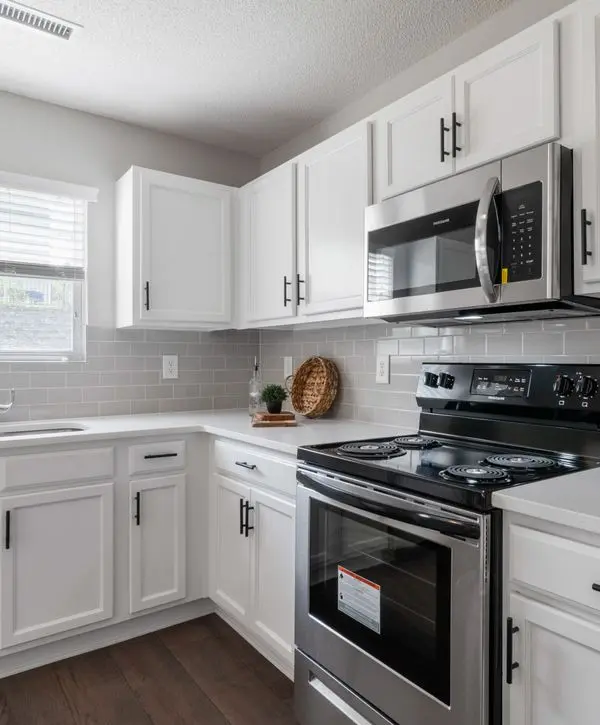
(564, 568)
(321, 698)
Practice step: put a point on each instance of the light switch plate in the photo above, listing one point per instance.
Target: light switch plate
(170, 367)
(382, 375)
(288, 367)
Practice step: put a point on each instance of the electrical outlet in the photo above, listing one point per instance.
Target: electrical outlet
(170, 367)
(288, 367)
(382, 376)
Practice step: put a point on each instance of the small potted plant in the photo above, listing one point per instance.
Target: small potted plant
(273, 396)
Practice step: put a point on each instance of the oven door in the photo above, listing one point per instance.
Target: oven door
(435, 249)
(392, 599)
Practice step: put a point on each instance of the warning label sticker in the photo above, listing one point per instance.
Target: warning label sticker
(359, 598)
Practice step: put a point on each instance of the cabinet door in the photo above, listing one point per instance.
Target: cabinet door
(334, 188)
(272, 570)
(157, 543)
(556, 682)
(507, 99)
(185, 250)
(268, 238)
(231, 548)
(57, 561)
(408, 140)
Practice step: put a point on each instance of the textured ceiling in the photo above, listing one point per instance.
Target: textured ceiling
(243, 74)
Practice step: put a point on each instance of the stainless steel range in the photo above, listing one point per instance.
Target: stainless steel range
(398, 564)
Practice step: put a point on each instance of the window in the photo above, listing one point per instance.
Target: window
(43, 240)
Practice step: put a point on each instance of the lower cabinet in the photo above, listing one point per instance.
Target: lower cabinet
(253, 561)
(56, 567)
(157, 542)
(558, 674)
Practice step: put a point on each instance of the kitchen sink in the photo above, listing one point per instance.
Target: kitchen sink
(37, 429)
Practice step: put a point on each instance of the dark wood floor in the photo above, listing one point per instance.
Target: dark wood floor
(198, 673)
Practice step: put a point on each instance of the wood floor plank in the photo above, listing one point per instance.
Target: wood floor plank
(233, 685)
(97, 692)
(163, 687)
(34, 698)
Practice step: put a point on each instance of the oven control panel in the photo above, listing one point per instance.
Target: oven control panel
(549, 387)
(522, 233)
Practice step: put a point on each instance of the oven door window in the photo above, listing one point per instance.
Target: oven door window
(386, 591)
(434, 253)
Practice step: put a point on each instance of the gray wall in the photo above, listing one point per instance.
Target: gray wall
(499, 27)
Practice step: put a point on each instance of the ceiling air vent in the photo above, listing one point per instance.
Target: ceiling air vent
(36, 19)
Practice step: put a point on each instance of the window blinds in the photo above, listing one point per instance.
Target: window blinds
(42, 235)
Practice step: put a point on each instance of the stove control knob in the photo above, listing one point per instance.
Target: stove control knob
(430, 380)
(586, 386)
(446, 381)
(563, 385)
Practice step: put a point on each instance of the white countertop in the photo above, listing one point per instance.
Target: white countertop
(571, 500)
(233, 424)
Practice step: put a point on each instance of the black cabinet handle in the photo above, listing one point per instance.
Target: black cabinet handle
(243, 464)
(510, 665)
(585, 223)
(443, 129)
(241, 517)
(138, 506)
(7, 530)
(455, 125)
(247, 509)
(150, 456)
(299, 281)
(596, 587)
(147, 294)
(286, 299)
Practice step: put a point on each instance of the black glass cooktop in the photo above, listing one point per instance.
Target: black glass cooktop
(460, 472)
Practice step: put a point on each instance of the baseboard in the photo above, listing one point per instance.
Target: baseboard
(285, 667)
(78, 644)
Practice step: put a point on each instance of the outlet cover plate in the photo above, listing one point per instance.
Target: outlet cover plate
(170, 367)
(288, 367)
(382, 376)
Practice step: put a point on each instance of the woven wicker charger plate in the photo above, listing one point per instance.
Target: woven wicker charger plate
(314, 387)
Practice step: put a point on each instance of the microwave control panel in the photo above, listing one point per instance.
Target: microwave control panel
(522, 233)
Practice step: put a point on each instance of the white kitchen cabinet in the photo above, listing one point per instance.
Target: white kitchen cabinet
(56, 568)
(267, 259)
(507, 99)
(272, 571)
(157, 543)
(408, 140)
(231, 548)
(174, 267)
(334, 188)
(556, 682)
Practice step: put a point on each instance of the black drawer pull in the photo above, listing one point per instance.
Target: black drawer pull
(7, 531)
(510, 665)
(247, 528)
(243, 464)
(286, 299)
(151, 456)
(147, 294)
(585, 223)
(455, 125)
(138, 506)
(299, 281)
(443, 152)
(241, 517)
(596, 587)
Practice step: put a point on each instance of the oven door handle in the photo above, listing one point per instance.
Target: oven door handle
(487, 203)
(391, 507)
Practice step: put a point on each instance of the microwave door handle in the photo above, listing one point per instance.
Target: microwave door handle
(486, 205)
(390, 507)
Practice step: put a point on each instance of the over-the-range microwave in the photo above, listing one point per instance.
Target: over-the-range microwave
(491, 244)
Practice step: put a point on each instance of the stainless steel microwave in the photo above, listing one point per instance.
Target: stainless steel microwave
(494, 242)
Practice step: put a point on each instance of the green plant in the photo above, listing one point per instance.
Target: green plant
(273, 394)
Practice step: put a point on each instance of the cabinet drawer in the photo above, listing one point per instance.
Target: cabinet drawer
(565, 568)
(17, 472)
(255, 466)
(162, 456)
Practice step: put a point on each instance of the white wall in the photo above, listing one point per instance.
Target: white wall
(44, 140)
(499, 27)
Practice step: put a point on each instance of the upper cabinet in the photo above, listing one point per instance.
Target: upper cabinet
(507, 99)
(173, 251)
(413, 139)
(334, 188)
(267, 254)
(499, 103)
